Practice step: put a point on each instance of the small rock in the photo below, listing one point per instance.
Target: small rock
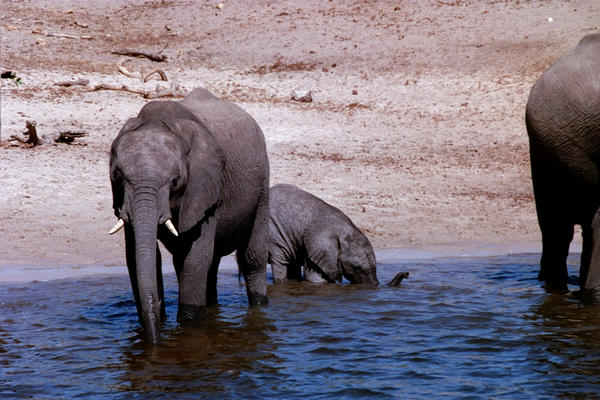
(355, 92)
(302, 95)
(220, 5)
(550, 19)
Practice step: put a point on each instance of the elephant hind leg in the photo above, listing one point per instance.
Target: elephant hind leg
(556, 240)
(255, 276)
(586, 253)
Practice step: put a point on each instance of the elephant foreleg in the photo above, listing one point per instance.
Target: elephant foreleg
(279, 272)
(192, 273)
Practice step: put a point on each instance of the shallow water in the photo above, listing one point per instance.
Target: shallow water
(457, 328)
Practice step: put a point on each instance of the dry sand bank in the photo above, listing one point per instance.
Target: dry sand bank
(416, 130)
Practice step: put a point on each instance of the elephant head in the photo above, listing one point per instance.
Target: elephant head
(357, 259)
(165, 168)
(348, 254)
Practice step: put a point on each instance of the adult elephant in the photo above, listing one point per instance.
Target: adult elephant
(563, 123)
(307, 233)
(195, 175)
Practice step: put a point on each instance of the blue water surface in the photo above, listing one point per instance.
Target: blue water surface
(457, 328)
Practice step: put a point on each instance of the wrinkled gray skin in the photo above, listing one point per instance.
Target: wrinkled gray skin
(306, 231)
(563, 123)
(202, 163)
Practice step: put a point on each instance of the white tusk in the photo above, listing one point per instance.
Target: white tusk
(171, 227)
(120, 224)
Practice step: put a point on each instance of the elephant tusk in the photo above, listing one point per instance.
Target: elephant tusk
(120, 224)
(171, 227)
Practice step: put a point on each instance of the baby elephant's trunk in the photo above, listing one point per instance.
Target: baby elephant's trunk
(398, 278)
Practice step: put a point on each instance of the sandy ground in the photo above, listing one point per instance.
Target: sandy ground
(416, 130)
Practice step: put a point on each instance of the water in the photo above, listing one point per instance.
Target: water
(457, 328)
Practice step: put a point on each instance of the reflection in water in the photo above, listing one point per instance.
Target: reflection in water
(465, 327)
(208, 358)
(568, 343)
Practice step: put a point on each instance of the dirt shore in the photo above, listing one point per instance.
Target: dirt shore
(416, 129)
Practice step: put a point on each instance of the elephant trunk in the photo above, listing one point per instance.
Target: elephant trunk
(398, 278)
(144, 221)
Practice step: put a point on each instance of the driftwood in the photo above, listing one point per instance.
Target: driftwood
(106, 86)
(66, 36)
(31, 133)
(174, 91)
(160, 73)
(125, 71)
(78, 82)
(144, 78)
(171, 92)
(80, 24)
(69, 136)
(136, 53)
(63, 35)
(34, 140)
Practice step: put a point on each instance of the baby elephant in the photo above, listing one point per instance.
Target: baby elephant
(305, 231)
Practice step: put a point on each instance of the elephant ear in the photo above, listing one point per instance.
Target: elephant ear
(205, 160)
(117, 187)
(131, 125)
(323, 250)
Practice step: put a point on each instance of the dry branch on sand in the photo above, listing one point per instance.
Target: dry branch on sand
(78, 82)
(160, 73)
(69, 136)
(136, 53)
(142, 76)
(173, 91)
(33, 138)
(31, 134)
(62, 35)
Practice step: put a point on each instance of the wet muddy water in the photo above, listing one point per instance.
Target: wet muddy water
(457, 328)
